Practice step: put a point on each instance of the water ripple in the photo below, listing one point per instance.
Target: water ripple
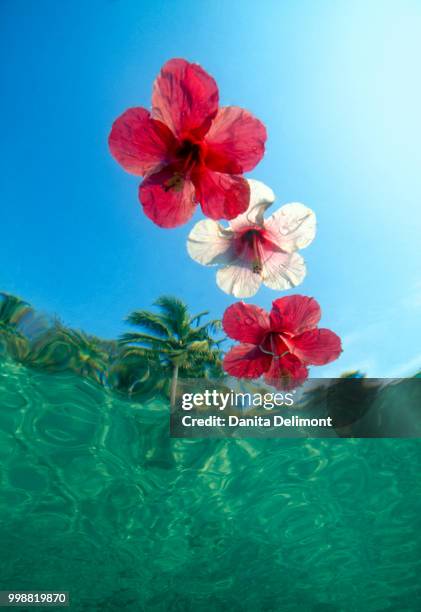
(97, 500)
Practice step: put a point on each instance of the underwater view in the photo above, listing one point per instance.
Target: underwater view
(210, 306)
(97, 500)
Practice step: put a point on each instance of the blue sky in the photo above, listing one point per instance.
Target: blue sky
(337, 85)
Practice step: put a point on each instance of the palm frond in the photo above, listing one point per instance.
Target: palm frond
(195, 320)
(199, 346)
(146, 342)
(150, 322)
(204, 330)
(13, 309)
(174, 313)
(141, 338)
(135, 354)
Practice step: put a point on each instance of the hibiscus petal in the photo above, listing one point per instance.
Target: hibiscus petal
(238, 280)
(167, 198)
(209, 243)
(261, 197)
(283, 270)
(295, 314)
(236, 141)
(246, 361)
(139, 143)
(286, 373)
(246, 323)
(315, 346)
(292, 227)
(221, 196)
(185, 98)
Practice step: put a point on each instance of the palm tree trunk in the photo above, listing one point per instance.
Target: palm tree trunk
(173, 391)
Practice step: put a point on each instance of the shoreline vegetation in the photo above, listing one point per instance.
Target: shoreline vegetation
(165, 351)
(166, 345)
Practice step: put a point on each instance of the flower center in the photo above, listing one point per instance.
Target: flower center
(251, 235)
(248, 246)
(189, 153)
(273, 344)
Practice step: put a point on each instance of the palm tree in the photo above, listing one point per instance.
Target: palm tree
(175, 340)
(90, 357)
(61, 348)
(13, 312)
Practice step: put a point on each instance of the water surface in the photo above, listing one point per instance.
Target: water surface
(96, 499)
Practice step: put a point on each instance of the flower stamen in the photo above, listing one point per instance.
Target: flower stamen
(252, 238)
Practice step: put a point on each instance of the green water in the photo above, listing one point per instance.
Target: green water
(98, 501)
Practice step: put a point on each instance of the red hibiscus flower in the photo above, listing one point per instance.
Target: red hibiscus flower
(188, 149)
(280, 344)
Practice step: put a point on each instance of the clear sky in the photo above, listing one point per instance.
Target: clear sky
(337, 84)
